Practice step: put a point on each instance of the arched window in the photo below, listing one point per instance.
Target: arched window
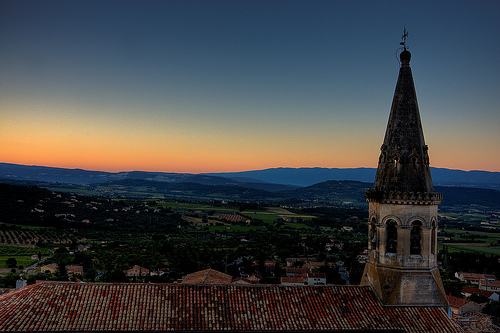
(414, 163)
(372, 234)
(415, 237)
(433, 238)
(392, 237)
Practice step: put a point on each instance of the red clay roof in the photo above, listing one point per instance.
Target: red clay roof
(137, 268)
(90, 307)
(474, 290)
(476, 276)
(492, 284)
(457, 302)
(74, 269)
(207, 276)
(298, 270)
(292, 279)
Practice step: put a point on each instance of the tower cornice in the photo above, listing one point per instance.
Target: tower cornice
(404, 198)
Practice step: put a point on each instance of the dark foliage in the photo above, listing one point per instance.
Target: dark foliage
(492, 308)
(468, 262)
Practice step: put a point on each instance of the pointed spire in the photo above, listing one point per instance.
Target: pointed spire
(404, 163)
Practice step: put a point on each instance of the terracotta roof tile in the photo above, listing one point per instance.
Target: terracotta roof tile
(207, 276)
(56, 307)
(292, 279)
(297, 270)
(491, 284)
(474, 290)
(456, 302)
(476, 276)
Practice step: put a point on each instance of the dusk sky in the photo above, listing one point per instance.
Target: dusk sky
(219, 86)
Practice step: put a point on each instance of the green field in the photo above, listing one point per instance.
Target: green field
(25, 226)
(295, 225)
(21, 254)
(472, 241)
(234, 228)
(267, 215)
(22, 251)
(495, 250)
(21, 260)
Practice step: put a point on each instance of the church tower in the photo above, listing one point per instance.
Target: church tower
(403, 208)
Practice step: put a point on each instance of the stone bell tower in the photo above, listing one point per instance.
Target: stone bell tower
(403, 208)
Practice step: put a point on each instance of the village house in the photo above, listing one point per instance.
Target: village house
(136, 271)
(293, 271)
(474, 278)
(472, 322)
(460, 306)
(315, 265)
(50, 268)
(329, 246)
(298, 262)
(313, 279)
(74, 270)
(489, 285)
(292, 280)
(83, 247)
(362, 256)
(306, 279)
(254, 278)
(207, 276)
(468, 291)
(241, 280)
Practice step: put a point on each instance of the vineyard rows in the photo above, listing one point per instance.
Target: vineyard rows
(231, 217)
(30, 237)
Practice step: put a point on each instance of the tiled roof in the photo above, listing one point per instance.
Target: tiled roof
(477, 322)
(207, 276)
(74, 269)
(314, 275)
(90, 307)
(317, 264)
(137, 268)
(52, 266)
(297, 270)
(292, 279)
(487, 283)
(474, 290)
(457, 302)
(242, 280)
(476, 276)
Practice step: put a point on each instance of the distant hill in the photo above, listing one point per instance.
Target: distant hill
(304, 176)
(329, 193)
(31, 173)
(310, 176)
(269, 179)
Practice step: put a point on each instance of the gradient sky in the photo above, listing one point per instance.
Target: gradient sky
(216, 86)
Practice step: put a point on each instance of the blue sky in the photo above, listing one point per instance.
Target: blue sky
(213, 86)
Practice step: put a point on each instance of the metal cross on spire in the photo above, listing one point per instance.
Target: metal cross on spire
(405, 34)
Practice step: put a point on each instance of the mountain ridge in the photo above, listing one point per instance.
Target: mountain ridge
(282, 175)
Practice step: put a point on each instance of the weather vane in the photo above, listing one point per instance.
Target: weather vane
(405, 34)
